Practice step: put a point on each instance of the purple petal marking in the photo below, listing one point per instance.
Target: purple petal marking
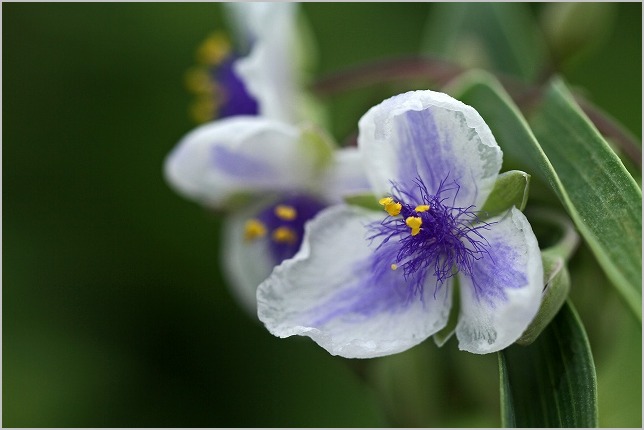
(238, 165)
(378, 290)
(428, 155)
(496, 272)
(235, 97)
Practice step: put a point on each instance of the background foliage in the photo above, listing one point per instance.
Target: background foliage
(115, 312)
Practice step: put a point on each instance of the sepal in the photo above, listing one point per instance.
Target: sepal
(510, 189)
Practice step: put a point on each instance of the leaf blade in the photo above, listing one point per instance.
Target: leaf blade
(603, 233)
(589, 170)
(556, 372)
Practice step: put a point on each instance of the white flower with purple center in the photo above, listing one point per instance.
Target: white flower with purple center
(271, 178)
(256, 162)
(369, 283)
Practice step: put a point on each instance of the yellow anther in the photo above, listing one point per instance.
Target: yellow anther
(394, 266)
(254, 229)
(198, 81)
(203, 109)
(422, 208)
(390, 205)
(414, 222)
(393, 209)
(214, 49)
(285, 212)
(284, 235)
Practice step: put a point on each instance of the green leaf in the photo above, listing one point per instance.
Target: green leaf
(557, 286)
(596, 190)
(499, 36)
(604, 200)
(552, 382)
(510, 189)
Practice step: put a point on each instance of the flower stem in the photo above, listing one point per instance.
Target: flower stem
(439, 72)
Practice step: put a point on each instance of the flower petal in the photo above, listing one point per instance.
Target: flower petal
(239, 155)
(432, 137)
(335, 292)
(268, 71)
(506, 293)
(246, 263)
(345, 176)
(249, 19)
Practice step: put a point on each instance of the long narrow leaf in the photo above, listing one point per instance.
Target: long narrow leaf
(596, 190)
(552, 382)
(599, 187)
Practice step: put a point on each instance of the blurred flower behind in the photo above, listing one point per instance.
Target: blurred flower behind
(262, 160)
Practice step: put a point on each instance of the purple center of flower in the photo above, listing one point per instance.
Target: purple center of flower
(282, 224)
(234, 98)
(219, 89)
(427, 237)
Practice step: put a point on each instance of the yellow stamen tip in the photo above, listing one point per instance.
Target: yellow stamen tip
(198, 81)
(393, 209)
(204, 109)
(385, 201)
(284, 235)
(254, 229)
(390, 205)
(214, 49)
(394, 266)
(285, 212)
(414, 223)
(422, 208)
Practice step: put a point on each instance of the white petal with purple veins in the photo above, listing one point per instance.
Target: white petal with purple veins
(432, 137)
(239, 155)
(503, 295)
(332, 292)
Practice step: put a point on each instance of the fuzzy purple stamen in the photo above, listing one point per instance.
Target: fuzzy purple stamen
(449, 240)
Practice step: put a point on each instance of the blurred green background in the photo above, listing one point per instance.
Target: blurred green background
(115, 312)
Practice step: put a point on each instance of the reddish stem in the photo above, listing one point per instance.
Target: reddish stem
(440, 72)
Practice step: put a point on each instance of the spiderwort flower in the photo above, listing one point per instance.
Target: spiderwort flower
(370, 283)
(257, 161)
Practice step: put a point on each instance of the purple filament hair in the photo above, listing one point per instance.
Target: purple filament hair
(449, 240)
